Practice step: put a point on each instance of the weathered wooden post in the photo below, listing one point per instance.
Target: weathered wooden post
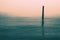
(43, 22)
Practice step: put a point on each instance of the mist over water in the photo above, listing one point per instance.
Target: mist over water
(20, 21)
(24, 28)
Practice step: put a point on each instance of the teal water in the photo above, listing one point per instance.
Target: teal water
(29, 29)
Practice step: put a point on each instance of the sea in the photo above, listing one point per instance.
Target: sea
(28, 28)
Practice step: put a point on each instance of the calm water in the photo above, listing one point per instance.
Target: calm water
(29, 29)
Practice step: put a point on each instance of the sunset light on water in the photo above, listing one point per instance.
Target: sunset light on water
(29, 19)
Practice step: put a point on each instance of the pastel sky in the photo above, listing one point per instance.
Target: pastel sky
(30, 8)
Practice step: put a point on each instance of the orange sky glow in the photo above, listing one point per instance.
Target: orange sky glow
(30, 8)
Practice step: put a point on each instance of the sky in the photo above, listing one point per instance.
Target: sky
(30, 8)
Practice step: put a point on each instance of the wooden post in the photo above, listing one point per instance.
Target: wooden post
(43, 22)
